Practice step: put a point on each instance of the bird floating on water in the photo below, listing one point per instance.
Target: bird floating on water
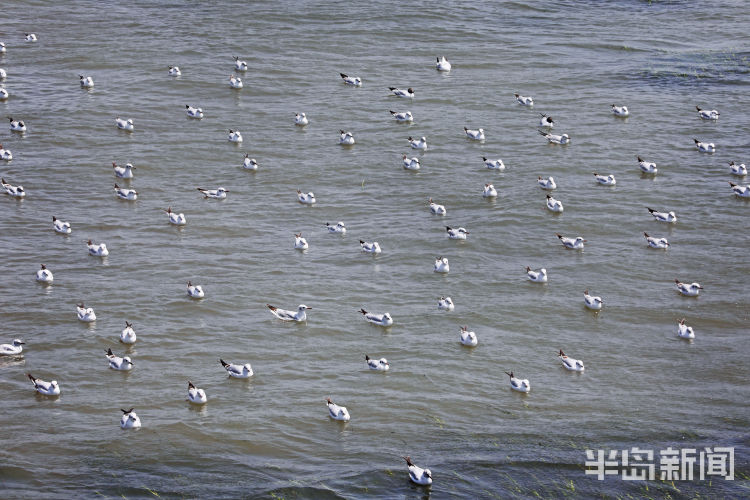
(554, 205)
(370, 246)
(476, 135)
(569, 363)
(337, 412)
(459, 233)
(127, 336)
(192, 112)
(300, 119)
(684, 331)
(646, 167)
(688, 289)
(517, 384)
(467, 338)
(546, 121)
(621, 111)
(249, 163)
(402, 93)
(195, 395)
(436, 209)
(539, 276)
(125, 172)
(3, 93)
(593, 302)
(446, 304)
(234, 136)
(285, 315)
(351, 80)
(195, 291)
(493, 164)
(305, 198)
(239, 65)
(403, 116)
(174, 71)
(13, 349)
(97, 250)
(668, 217)
(44, 275)
(660, 243)
(86, 81)
(377, 364)
(5, 154)
(11, 190)
(129, 419)
(346, 138)
(235, 82)
(571, 243)
(219, 193)
(237, 371)
(707, 114)
(547, 184)
(741, 191)
(605, 180)
(85, 314)
(384, 319)
(30, 37)
(300, 243)
(555, 139)
(175, 218)
(119, 363)
(126, 194)
(420, 143)
(338, 228)
(524, 100)
(738, 170)
(418, 475)
(442, 64)
(411, 163)
(17, 125)
(45, 388)
(123, 124)
(705, 147)
(441, 265)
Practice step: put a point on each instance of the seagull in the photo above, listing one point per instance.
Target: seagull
(660, 243)
(195, 291)
(441, 265)
(13, 349)
(234, 136)
(684, 331)
(555, 139)
(738, 170)
(741, 191)
(235, 82)
(99, 250)
(442, 64)
(192, 112)
(17, 125)
(15, 191)
(570, 363)
(418, 144)
(126, 194)
(688, 289)
(546, 121)
(446, 304)
(646, 166)
(175, 218)
(378, 319)
(591, 301)
(346, 139)
(249, 163)
(338, 228)
(517, 384)
(456, 234)
(411, 163)
(239, 65)
(128, 334)
(370, 246)
(351, 80)
(118, 363)
(377, 364)
(174, 71)
(45, 388)
(526, 101)
(467, 338)
(3, 74)
(123, 124)
(337, 412)
(86, 81)
(129, 419)
(85, 314)
(404, 116)
(31, 37)
(621, 111)
(300, 243)
(489, 191)
(705, 147)
(663, 216)
(554, 205)
(305, 198)
(237, 371)
(2, 47)
(435, 208)
(300, 119)
(285, 315)
(494, 164)
(572, 243)
(125, 172)
(5, 154)
(195, 395)
(44, 275)
(605, 180)
(3, 93)
(477, 135)
(707, 114)
(539, 276)
(418, 475)
(219, 193)
(402, 93)
(547, 184)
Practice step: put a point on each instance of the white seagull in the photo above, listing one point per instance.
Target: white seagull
(489, 191)
(351, 80)
(126, 194)
(669, 217)
(418, 475)
(45, 388)
(249, 163)
(647, 167)
(411, 163)
(99, 250)
(404, 116)
(517, 384)
(554, 205)
(30, 37)
(128, 334)
(123, 124)
(285, 315)
(377, 364)
(370, 246)
(660, 243)
(402, 93)
(337, 412)
(234, 136)
(195, 291)
(237, 371)
(493, 164)
(3, 74)
(192, 112)
(219, 193)
(346, 138)
(446, 304)
(86, 81)
(569, 363)
(592, 301)
(239, 65)
(338, 228)
(442, 64)
(17, 125)
(13, 349)
(235, 82)
(741, 191)
(175, 218)
(707, 114)
(418, 143)
(174, 71)
(5, 154)
(85, 314)
(125, 172)
(605, 180)
(467, 338)
(526, 101)
(3, 93)
(11, 190)
(305, 198)
(459, 233)
(300, 243)
(547, 184)
(44, 275)
(441, 265)
(378, 319)
(195, 395)
(539, 276)
(684, 331)
(546, 121)
(300, 119)
(738, 170)
(118, 363)
(572, 243)
(705, 147)
(436, 209)
(621, 111)
(476, 135)
(688, 289)
(555, 139)
(129, 419)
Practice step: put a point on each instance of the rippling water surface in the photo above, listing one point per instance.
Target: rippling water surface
(448, 407)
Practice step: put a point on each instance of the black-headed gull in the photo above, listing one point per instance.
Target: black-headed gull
(621, 111)
(351, 80)
(524, 100)
(285, 315)
(418, 475)
(337, 412)
(518, 384)
(44, 275)
(570, 363)
(384, 319)
(129, 419)
(571, 243)
(660, 243)
(707, 114)
(377, 364)
(237, 371)
(13, 349)
(689, 289)
(46, 388)
(442, 64)
(593, 302)
(402, 93)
